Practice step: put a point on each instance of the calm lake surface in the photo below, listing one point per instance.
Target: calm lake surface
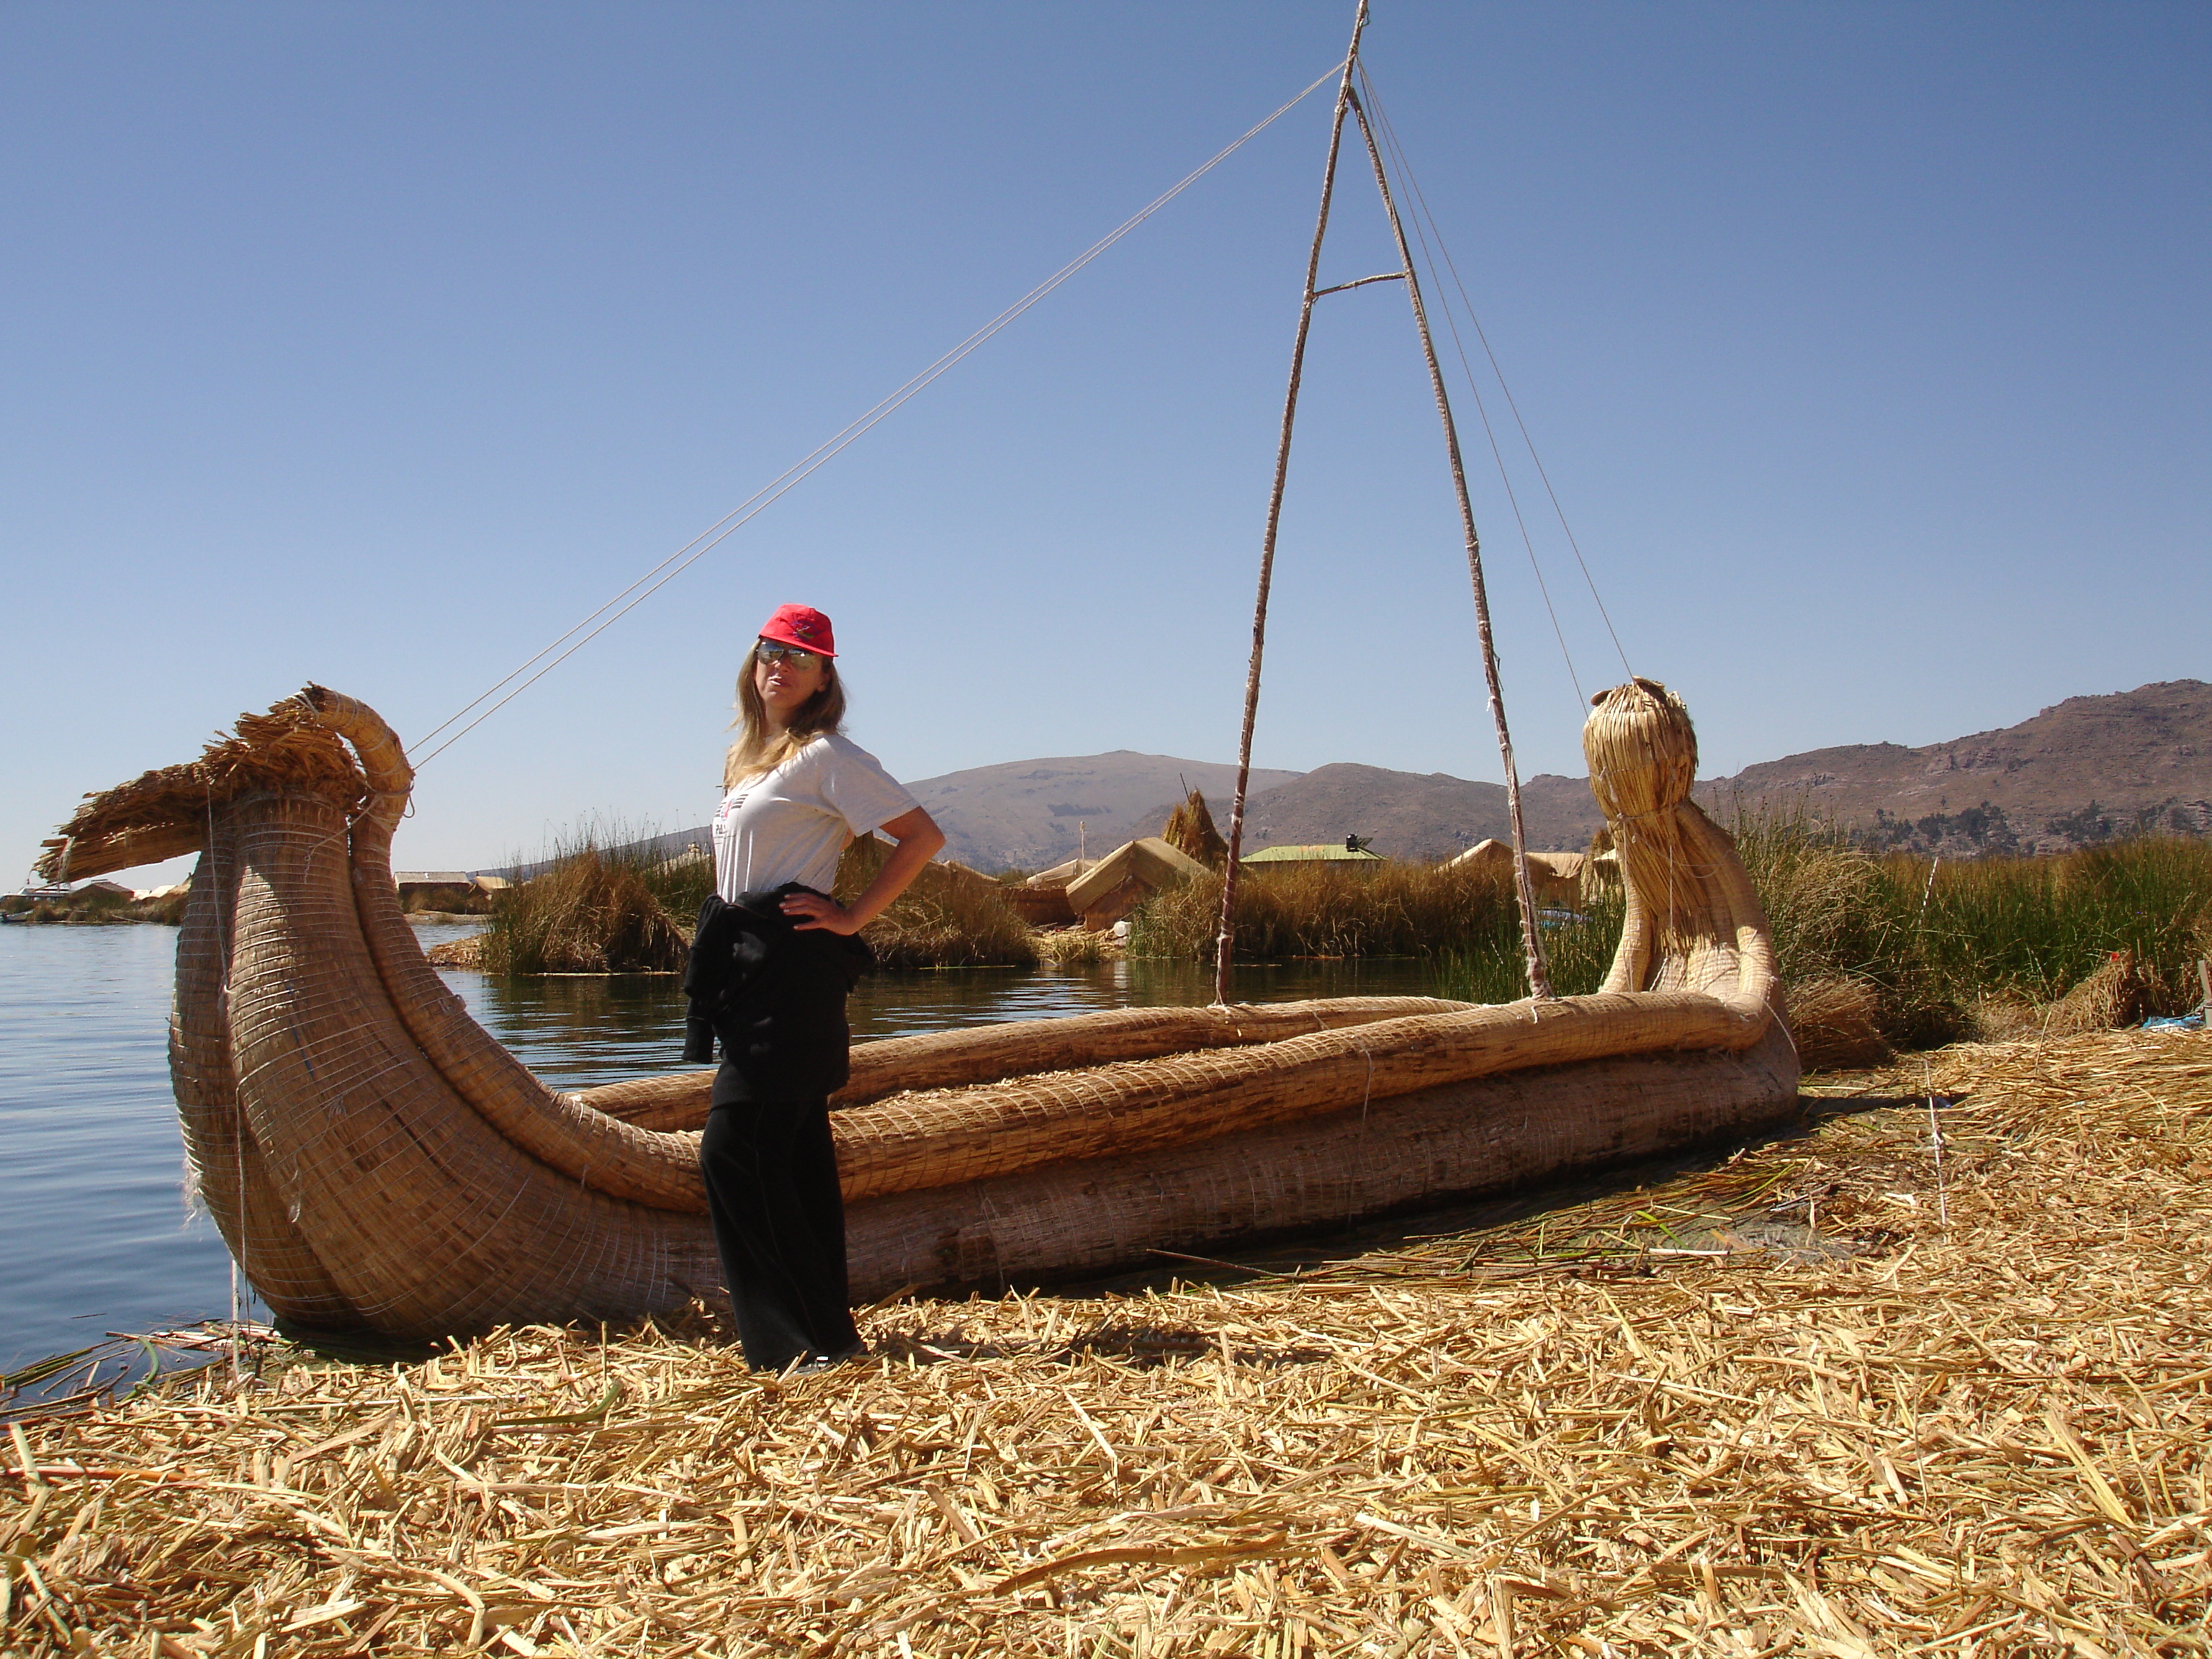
(95, 1235)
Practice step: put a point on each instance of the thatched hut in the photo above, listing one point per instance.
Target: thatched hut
(1190, 829)
(1556, 877)
(1125, 877)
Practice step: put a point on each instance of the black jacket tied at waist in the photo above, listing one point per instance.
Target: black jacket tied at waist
(773, 994)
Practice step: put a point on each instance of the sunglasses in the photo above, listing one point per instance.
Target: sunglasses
(770, 651)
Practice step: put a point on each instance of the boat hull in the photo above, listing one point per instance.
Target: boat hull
(1464, 1139)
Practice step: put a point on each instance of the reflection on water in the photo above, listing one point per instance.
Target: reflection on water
(579, 1031)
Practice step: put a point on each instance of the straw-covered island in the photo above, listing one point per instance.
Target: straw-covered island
(1928, 1376)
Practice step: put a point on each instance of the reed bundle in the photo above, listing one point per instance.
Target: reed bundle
(1835, 1395)
(1190, 830)
(2118, 994)
(1836, 1024)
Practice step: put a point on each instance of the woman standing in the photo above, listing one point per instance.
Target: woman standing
(771, 962)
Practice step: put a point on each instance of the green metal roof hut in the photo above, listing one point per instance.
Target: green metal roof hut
(1353, 852)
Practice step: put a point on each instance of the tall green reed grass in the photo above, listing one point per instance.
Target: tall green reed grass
(1933, 951)
(1939, 941)
(1313, 910)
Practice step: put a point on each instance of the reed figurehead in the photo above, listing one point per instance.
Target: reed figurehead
(1642, 750)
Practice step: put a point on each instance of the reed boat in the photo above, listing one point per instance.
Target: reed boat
(376, 1161)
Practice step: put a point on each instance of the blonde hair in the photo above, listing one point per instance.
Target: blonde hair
(757, 748)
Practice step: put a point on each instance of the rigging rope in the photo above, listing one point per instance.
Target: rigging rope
(700, 545)
(1406, 168)
(1481, 406)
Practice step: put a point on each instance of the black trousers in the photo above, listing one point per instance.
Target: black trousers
(772, 1192)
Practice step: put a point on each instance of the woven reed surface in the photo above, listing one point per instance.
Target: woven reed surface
(1010, 1049)
(1216, 1194)
(911, 1142)
(603, 1152)
(428, 1219)
(224, 1161)
(1981, 1426)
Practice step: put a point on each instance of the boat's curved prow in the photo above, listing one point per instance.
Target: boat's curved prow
(376, 1159)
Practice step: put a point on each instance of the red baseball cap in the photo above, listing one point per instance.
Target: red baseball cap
(801, 625)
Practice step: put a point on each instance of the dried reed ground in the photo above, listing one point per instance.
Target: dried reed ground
(1966, 1415)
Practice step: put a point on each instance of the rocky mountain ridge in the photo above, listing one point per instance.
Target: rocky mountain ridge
(2088, 769)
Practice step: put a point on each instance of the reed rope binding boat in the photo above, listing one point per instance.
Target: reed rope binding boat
(376, 1160)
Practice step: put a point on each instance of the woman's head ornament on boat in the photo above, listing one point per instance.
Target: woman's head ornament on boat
(801, 625)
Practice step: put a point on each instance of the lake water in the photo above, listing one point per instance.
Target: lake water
(94, 1233)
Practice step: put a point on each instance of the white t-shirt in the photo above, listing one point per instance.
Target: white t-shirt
(793, 823)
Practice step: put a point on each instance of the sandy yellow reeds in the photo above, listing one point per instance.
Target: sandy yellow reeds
(1864, 1391)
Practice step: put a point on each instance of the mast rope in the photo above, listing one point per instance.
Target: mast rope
(1422, 211)
(1481, 405)
(700, 545)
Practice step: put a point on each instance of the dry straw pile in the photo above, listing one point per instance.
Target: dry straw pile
(1190, 830)
(1848, 1394)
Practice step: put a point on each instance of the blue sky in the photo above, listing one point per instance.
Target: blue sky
(1866, 345)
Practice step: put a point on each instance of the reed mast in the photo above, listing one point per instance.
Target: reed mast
(1347, 102)
(1224, 944)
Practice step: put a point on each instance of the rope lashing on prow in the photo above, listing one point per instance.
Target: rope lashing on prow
(700, 545)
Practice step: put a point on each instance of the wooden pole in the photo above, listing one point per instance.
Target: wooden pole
(1540, 982)
(1223, 948)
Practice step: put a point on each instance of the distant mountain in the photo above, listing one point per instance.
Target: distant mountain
(2090, 770)
(1033, 814)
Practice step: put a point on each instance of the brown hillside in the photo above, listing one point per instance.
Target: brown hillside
(1026, 813)
(2087, 770)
